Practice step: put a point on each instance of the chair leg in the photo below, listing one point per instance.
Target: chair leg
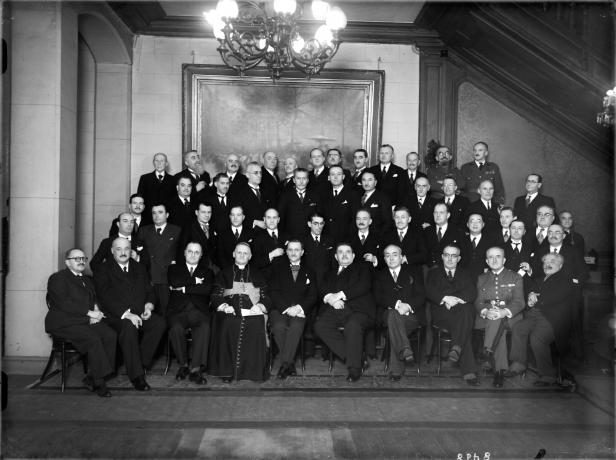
(438, 352)
(48, 365)
(168, 363)
(303, 356)
(386, 352)
(331, 361)
(63, 359)
(418, 357)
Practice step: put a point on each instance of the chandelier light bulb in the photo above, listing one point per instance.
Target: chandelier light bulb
(227, 9)
(324, 35)
(298, 44)
(320, 9)
(336, 19)
(285, 6)
(214, 20)
(611, 92)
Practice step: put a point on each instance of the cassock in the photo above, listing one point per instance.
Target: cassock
(239, 348)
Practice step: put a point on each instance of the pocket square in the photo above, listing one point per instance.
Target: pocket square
(374, 205)
(345, 202)
(395, 175)
(307, 280)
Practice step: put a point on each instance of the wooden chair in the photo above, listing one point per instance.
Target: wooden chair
(442, 335)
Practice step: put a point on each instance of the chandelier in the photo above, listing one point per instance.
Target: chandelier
(248, 35)
(606, 118)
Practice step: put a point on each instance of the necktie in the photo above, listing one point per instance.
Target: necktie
(206, 230)
(316, 239)
(335, 192)
(419, 204)
(363, 238)
(449, 275)
(275, 238)
(412, 178)
(401, 235)
(294, 271)
(474, 243)
(516, 249)
(394, 276)
(480, 166)
(541, 236)
(364, 198)
(160, 178)
(384, 170)
(527, 200)
(159, 231)
(222, 200)
(125, 269)
(439, 234)
(192, 270)
(506, 236)
(237, 234)
(448, 201)
(555, 251)
(257, 192)
(301, 196)
(488, 205)
(186, 203)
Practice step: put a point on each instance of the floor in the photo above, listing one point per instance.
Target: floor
(320, 416)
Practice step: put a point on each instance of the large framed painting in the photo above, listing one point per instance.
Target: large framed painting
(225, 113)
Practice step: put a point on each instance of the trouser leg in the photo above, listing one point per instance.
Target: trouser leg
(326, 328)
(153, 329)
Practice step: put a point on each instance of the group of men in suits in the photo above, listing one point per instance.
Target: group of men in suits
(337, 253)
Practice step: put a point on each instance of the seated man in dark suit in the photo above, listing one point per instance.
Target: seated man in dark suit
(124, 229)
(126, 298)
(451, 294)
(457, 204)
(189, 307)
(348, 303)
(293, 290)
(157, 186)
(136, 207)
(181, 207)
(74, 315)
(400, 305)
(241, 301)
(525, 207)
(237, 232)
(499, 303)
(439, 235)
(547, 320)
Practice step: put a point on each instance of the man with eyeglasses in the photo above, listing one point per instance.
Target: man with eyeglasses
(451, 294)
(544, 218)
(526, 206)
(74, 315)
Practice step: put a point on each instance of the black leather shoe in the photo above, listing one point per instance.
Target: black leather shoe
(283, 372)
(88, 381)
(499, 379)
(198, 378)
(183, 372)
(103, 391)
(227, 379)
(354, 375)
(292, 370)
(454, 354)
(395, 378)
(140, 384)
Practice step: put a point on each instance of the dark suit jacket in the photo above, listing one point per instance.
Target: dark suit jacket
(339, 212)
(319, 257)
(457, 211)
(220, 214)
(155, 192)
(194, 233)
(574, 266)
(262, 245)
(239, 180)
(285, 292)
(355, 181)
(577, 241)
(197, 294)
(104, 252)
(355, 282)
(69, 297)
(390, 183)
(226, 244)
(113, 230)
(372, 245)
(513, 261)
(529, 214)
(180, 214)
(294, 214)
(438, 285)
(387, 292)
(474, 260)
(452, 236)
(162, 249)
(406, 188)
(285, 184)
(118, 291)
(555, 303)
(379, 206)
(270, 186)
(422, 215)
(491, 218)
(320, 184)
(413, 247)
(253, 207)
(205, 177)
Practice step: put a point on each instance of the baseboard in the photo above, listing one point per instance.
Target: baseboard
(24, 365)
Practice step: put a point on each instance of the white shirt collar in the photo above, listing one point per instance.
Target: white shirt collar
(442, 227)
(532, 196)
(499, 272)
(369, 194)
(128, 237)
(558, 248)
(539, 230)
(360, 233)
(395, 271)
(477, 238)
(338, 188)
(272, 231)
(190, 265)
(239, 229)
(162, 227)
